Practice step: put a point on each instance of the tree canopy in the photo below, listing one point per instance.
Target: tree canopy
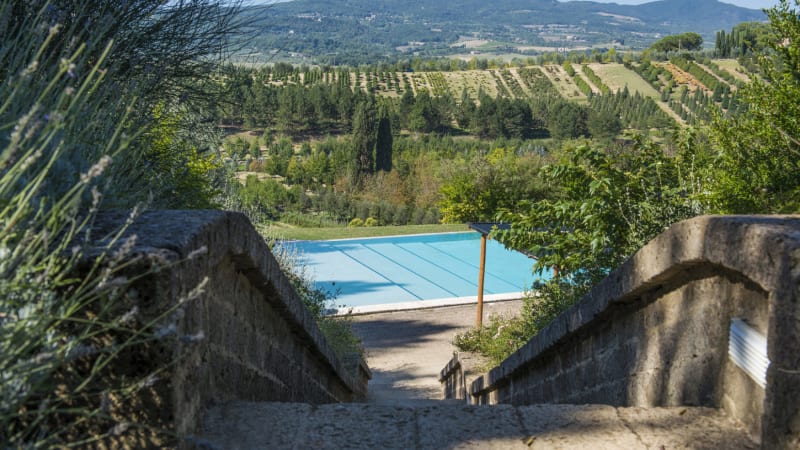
(758, 151)
(679, 42)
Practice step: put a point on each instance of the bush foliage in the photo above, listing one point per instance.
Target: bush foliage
(612, 203)
(89, 95)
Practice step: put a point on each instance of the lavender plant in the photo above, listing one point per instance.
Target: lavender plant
(71, 133)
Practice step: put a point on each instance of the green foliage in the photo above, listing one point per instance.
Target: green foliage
(502, 336)
(603, 124)
(496, 340)
(595, 79)
(158, 54)
(357, 222)
(268, 196)
(80, 87)
(428, 113)
(582, 84)
(610, 206)
(756, 169)
(365, 135)
(476, 189)
(568, 68)
(503, 118)
(383, 144)
(186, 175)
(708, 80)
(745, 39)
(567, 120)
(679, 42)
(631, 111)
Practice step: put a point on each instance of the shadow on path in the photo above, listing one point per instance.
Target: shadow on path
(406, 350)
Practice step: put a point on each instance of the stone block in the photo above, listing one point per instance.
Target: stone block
(780, 428)
(469, 427)
(576, 426)
(681, 427)
(286, 422)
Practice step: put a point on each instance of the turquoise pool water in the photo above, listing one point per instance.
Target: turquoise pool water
(387, 270)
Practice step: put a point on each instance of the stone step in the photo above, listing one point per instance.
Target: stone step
(256, 426)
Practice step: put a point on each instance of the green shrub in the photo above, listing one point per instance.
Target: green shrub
(357, 222)
(371, 222)
(502, 336)
(495, 340)
(78, 85)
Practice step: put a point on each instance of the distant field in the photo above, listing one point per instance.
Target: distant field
(733, 67)
(563, 82)
(473, 80)
(616, 77)
(315, 234)
(508, 80)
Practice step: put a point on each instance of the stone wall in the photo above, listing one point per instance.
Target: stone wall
(461, 368)
(259, 342)
(655, 331)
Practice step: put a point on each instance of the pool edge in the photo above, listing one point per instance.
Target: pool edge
(422, 304)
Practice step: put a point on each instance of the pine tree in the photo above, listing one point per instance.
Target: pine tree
(465, 111)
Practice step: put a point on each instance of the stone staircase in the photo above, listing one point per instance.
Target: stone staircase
(406, 350)
(450, 425)
(655, 332)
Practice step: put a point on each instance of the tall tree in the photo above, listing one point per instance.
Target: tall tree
(465, 111)
(384, 142)
(567, 120)
(364, 138)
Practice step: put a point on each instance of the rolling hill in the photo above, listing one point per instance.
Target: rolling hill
(368, 31)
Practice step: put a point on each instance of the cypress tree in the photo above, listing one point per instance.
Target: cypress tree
(364, 139)
(383, 144)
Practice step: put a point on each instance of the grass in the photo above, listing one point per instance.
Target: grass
(732, 66)
(281, 231)
(563, 82)
(616, 77)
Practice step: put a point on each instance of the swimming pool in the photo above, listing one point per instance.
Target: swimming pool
(416, 268)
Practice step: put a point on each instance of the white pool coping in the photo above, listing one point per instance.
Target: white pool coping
(391, 236)
(423, 304)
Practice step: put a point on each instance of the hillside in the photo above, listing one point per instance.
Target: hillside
(363, 31)
(682, 89)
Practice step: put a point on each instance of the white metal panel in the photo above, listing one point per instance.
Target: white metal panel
(747, 349)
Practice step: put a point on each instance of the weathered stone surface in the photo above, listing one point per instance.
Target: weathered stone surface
(276, 426)
(655, 331)
(242, 426)
(359, 426)
(698, 428)
(461, 367)
(577, 426)
(470, 427)
(259, 341)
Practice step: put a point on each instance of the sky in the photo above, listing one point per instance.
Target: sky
(752, 4)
